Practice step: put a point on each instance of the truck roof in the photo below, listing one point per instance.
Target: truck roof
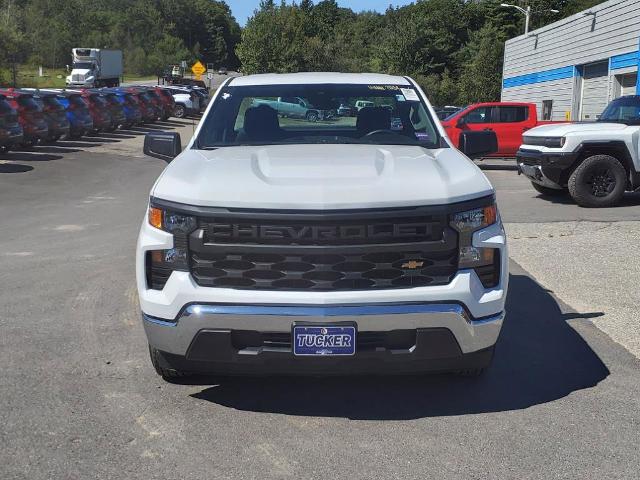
(318, 78)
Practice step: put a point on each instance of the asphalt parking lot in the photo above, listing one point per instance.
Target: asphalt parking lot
(81, 400)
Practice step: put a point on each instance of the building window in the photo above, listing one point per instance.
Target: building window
(547, 106)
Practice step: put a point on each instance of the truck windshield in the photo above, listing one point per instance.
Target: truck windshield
(622, 110)
(305, 114)
(82, 65)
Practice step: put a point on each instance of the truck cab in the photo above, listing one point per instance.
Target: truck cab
(509, 120)
(95, 67)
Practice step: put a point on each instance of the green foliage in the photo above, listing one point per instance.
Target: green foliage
(151, 33)
(453, 48)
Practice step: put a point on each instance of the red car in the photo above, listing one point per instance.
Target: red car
(168, 103)
(150, 109)
(30, 116)
(10, 129)
(99, 110)
(508, 120)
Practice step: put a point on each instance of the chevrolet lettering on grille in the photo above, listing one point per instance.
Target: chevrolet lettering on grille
(311, 233)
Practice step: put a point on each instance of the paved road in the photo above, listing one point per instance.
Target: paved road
(80, 399)
(586, 256)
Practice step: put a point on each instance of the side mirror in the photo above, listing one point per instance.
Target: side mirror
(478, 144)
(163, 145)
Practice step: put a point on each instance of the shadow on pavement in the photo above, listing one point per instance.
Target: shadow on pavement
(506, 166)
(115, 135)
(630, 199)
(79, 143)
(98, 137)
(54, 149)
(14, 168)
(539, 358)
(31, 156)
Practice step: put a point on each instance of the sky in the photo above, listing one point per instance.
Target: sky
(243, 9)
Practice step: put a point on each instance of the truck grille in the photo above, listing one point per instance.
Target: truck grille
(323, 252)
(77, 78)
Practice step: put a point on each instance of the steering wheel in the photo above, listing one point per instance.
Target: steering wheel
(382, 130)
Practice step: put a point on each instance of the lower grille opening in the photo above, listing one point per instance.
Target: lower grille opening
(366, 341)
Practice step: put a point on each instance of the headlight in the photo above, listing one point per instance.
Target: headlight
(170, 221)
(475, 219)
(160, 263)
(485, 261)
(551, 142)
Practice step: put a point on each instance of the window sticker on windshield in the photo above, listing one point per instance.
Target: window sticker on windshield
(400, 98)
(226, 96)
(410, 94)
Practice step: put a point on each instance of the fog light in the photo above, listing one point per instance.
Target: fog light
(471, 257)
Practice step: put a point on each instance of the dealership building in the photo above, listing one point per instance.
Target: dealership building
(572, 68)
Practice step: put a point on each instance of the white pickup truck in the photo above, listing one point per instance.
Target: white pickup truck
(595, 162)
(316, 248)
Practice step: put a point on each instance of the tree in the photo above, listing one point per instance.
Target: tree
(481, 60)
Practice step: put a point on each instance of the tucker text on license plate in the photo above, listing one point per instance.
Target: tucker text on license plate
(328, 340)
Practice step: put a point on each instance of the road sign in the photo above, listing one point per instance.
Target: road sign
(210, 75)
(198, 68)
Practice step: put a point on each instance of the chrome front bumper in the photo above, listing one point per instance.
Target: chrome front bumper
(175, 337)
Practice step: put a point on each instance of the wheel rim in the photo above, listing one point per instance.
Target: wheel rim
(312, 117)
(602, 182)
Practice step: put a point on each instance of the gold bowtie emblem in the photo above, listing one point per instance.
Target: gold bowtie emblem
(412, 264)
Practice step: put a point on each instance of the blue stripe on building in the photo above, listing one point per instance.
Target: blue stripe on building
(631, 59)
(538, 77)
(625, 60)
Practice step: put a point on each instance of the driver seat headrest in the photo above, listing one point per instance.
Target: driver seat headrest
(373, 118)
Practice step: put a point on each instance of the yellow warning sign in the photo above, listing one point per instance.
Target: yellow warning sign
(198, 68)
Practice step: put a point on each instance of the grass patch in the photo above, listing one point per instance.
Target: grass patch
(28, 77)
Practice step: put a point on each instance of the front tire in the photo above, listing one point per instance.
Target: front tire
(312, 117)
(599, 181)
(548, 192)
(179, 111)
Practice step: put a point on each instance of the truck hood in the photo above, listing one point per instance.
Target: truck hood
(321, 177)
(561, 129)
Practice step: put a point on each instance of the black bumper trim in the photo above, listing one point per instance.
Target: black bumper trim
(553, 165)
(436, 350)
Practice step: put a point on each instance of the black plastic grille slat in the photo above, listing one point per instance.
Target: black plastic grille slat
(425, 256)
(349, 274)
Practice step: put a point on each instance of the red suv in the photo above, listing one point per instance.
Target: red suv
(54, 114)
(99, 110)
(168, 103)
(30, 116)
(10, 129)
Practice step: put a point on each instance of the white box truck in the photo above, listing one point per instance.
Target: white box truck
(95, 67)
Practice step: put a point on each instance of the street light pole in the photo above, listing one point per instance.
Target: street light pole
(527, 13)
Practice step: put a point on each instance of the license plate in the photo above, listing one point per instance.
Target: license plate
(324, 340)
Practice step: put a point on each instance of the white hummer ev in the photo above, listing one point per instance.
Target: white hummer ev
(342, 245)
(595, 161)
